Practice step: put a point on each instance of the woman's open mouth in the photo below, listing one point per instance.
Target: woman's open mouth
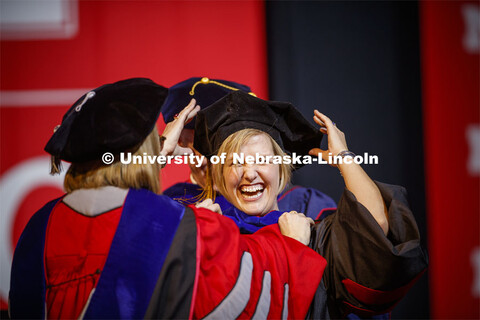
(252, 192)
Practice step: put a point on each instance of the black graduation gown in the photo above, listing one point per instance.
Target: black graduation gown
(367, 272)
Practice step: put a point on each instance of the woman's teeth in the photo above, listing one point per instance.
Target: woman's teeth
(252, 188)
(252, 192)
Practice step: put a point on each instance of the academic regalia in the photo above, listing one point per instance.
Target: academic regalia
(205, 91)
(368, 273)
(76, 249)
(142, 239)
(309, 201)
(250, 224)
(113, 118)
(195, 260)
(229, 285)
(203, 276)
(385, 266)
(189, 193)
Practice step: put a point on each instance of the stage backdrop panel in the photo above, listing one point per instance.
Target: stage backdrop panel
(450, 59)
(52, 53)
(357, 62)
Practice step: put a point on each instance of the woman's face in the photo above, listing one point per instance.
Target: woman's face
(253, 188)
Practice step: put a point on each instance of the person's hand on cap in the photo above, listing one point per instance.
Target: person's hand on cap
(173, 129)
(336, 138)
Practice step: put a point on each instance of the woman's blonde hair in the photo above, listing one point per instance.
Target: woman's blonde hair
(137, 176)
(232, 144)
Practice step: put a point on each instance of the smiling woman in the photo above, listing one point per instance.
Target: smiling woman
(252, 188)
(371, 242)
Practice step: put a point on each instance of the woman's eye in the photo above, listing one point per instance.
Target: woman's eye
(235, 165)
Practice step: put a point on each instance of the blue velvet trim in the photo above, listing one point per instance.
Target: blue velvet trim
(247, 224)
(27, 284)
(384, 316)
(250, 224)
(305, 200)
(139, 248)
(308, 201)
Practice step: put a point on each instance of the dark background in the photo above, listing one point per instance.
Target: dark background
(360, 65)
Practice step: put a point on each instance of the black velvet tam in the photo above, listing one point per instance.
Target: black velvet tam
(205, 91)
(113, 118)
(239, 110)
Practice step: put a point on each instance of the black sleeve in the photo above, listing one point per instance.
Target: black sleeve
(172, 297)
(367, 272)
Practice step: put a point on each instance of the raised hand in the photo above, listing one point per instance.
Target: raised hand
(336, 138)
(172, 131)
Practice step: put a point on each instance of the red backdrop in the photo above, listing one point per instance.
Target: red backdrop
(450, 60)
(106, 41)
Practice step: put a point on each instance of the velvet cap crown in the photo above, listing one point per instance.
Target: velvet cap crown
(112, 118)
(205, 91)
(239, 110)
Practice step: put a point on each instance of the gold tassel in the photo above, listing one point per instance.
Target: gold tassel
(206, 80)
(55, 165)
